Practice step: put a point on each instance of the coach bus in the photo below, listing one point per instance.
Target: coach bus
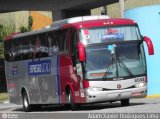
(75, 61)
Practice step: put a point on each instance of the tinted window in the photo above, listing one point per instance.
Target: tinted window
(25, 49)
(73, 46)
(42, 46)
(8, 51)
(58, 41)
(16, 50)
(62, 40)
(37, 46)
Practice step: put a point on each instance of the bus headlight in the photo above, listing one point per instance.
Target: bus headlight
(94, 89)
(140, 85)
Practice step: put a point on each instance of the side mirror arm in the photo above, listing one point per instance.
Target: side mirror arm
(149, 45)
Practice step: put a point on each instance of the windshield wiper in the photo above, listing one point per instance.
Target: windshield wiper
(107, 70)
(118, 60)
(125, 68)
(105, 74)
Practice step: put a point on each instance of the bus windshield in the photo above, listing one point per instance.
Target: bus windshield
(115, 60)
(109, 34)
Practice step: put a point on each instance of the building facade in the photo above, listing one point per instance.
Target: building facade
(20, 18)
(113, 10)
(41, 18)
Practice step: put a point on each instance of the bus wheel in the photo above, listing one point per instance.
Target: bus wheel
(125, 102)
(70, 99)
(26, 105)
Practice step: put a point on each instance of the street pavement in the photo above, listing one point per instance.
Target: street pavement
(145, 105)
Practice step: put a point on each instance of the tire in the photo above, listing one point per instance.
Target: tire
(36, 107)
(125, 102)
(26, 106)
(73, 106)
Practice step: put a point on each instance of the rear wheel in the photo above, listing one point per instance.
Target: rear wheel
(26, 106)
(125, 102)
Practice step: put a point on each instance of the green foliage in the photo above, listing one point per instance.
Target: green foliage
(23, 29)
(6, 28)
(1, 50)
(30, 23)
(2, 33)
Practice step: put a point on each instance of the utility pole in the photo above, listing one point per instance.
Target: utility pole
(121, 2)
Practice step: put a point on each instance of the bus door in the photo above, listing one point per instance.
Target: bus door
(63, 62)
(77, 66)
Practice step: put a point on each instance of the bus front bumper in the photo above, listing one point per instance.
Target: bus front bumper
(115, 95)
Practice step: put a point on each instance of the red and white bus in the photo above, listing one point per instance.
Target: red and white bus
(80, 60)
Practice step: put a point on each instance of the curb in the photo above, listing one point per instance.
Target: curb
(4, 102)
(153, 96)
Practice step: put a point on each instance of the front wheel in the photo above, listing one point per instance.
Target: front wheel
(26, 106)
(72, 104)
(125, 102)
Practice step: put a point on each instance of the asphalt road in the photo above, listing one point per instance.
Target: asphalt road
(146, 108)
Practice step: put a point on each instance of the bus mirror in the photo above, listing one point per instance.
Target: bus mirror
(149, 45)
(81, 51)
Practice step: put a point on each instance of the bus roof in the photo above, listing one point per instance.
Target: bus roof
(78, 23)
(92, 21)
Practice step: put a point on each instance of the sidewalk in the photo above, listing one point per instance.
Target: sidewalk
(7, 105)
(6, 101)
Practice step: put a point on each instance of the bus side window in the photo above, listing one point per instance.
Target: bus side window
(42, 46)
(50, 49)
(25, 49)
(53, 43)
(73, 46)
(32, 46)
(17, 50)
(62, 38)
(8, 51)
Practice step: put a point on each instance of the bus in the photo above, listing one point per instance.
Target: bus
(76, 61)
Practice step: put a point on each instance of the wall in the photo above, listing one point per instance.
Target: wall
(20, 18)
(15, 19)
(113, 10)
(41, 19)
(148, 19)
(96, 11)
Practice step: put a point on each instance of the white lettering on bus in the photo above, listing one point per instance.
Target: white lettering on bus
(40, 68)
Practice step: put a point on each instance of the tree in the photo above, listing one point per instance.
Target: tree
(2, 33)
(5, 29)
(30, 23)
(24, 29)
(8, 27)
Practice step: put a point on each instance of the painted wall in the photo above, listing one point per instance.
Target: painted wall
(41, 19)
(148, 19)
(20, 18)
